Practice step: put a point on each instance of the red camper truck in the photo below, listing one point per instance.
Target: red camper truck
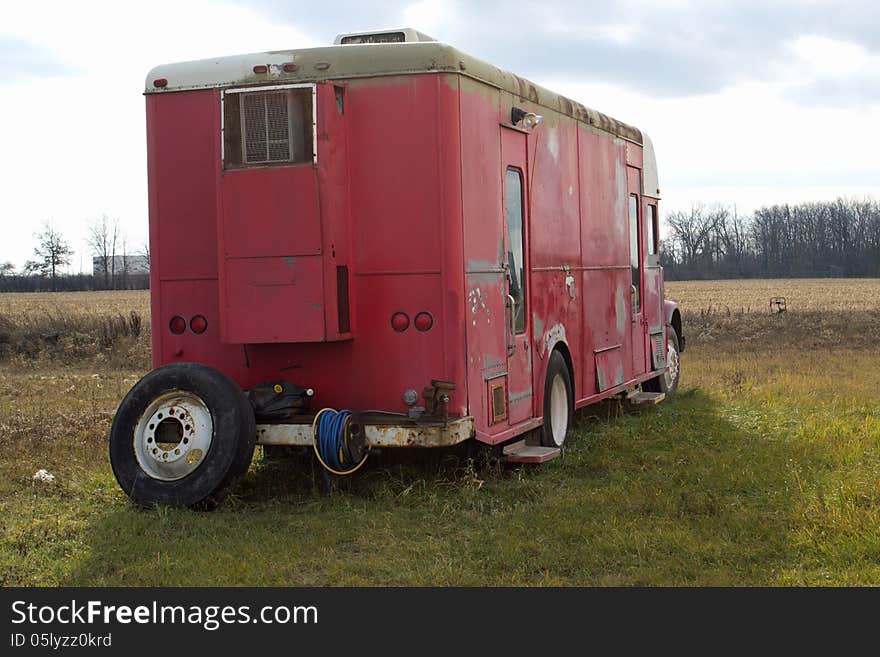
(384, 243)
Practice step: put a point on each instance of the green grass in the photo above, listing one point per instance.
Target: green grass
(764, 469)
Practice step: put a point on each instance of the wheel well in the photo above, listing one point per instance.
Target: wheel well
(562, 348)
(676, 323)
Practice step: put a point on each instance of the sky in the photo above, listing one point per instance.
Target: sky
(748, 103)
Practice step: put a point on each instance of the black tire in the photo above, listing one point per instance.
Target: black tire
(550, 434)
(662, 383)
(224, 462)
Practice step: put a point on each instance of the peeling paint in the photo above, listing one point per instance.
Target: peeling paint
(620, 309)
(554, 335)
(478, 304)
(478, 266)
(621, 211)
(516, 397)
(569, 283)
(537, 331)
(553, 144)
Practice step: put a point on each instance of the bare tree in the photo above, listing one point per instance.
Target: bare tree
(735, 243)
(114, 237)
(6, 269)
(52, 252)
(695, 237)
(825, 238)
(102, 238)
(124, 271)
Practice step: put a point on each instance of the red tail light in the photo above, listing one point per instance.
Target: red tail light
(260, 68)
(400, 321)
(160, 82)
(177, 325)
(289, 68)
(198, 324)
(424, 321)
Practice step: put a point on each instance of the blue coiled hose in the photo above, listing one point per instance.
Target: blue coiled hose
(330, 431)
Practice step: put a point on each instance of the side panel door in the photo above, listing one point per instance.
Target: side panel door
(514, 176)
(652, 296)
(639, 332)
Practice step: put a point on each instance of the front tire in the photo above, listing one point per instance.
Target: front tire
(182, 436)
(667, 381)
(558, 402)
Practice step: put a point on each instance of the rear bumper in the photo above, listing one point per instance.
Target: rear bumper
(377, 435)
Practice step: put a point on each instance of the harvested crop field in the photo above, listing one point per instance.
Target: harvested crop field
(802, 294)
(763, 469)
(821, 313)
(34, 304)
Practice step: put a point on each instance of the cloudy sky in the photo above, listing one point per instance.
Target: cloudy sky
(748, 103)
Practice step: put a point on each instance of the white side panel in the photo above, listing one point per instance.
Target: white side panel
(650, 181)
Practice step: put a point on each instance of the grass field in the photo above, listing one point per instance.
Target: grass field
(764, 469)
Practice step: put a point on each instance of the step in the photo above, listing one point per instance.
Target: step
(522, 453)
(639, 398)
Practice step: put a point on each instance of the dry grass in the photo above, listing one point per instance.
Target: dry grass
(72, 327)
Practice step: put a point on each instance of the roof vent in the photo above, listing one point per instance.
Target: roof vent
(399, 35)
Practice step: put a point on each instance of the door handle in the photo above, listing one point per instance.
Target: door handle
(510, 306)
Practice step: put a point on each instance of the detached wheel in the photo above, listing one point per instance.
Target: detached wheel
(558, 402)
(668, 381)
(183, 436)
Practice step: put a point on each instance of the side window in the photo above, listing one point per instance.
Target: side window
(263, 128)
(653, 231)
(513, 203)
(634, 227)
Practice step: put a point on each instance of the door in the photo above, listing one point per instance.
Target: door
(652, 294)
(639, 332)
(517, 325)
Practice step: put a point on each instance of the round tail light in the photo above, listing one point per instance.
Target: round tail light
(424, 321)
(198, 324)
(177, 325)
(400, 321)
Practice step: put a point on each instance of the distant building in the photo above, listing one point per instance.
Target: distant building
(121, 264)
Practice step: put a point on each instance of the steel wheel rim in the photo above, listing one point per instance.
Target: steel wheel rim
(670, 375)
(173, 435)
(558, 410)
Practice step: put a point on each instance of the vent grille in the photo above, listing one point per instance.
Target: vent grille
(266, 127)
(498, 397)
(382, 37)
(658, 346)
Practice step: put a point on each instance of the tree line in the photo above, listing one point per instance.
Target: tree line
(106, 243)
(827, 238)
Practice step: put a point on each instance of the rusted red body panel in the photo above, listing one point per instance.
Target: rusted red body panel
(299, 268)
